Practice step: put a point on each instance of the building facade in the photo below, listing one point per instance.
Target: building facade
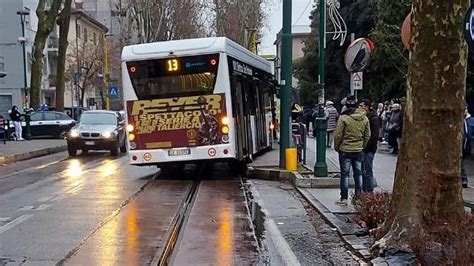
(298, 33)
(85, 62)
(12, 87)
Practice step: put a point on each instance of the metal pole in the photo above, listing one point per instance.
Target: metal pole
(25, 79)
(286, 81)
(350, 74)
(76, 76)
(320, 167)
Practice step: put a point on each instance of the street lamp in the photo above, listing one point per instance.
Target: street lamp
(22, 39)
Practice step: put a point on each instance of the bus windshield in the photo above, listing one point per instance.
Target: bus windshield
(173, 77)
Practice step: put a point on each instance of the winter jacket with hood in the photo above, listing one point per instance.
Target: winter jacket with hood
(352, 131)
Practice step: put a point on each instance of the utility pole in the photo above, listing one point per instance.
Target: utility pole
(286, 81)
(320, 167)
(23, 14)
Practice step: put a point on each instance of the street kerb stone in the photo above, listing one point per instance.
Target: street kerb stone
(7, 159)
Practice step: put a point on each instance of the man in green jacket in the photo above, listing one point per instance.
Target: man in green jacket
(351, 137)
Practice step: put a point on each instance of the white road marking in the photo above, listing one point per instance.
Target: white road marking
(26, 208)
(5, 219)
(43, 207)
(15, 222)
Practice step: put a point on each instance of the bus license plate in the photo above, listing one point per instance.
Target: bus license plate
(179, 152)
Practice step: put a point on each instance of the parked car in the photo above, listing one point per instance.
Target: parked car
(98, 130)
(47, 124)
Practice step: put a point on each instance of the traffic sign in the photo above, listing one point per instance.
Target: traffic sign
(114, 91)
(469, 27)
(358, 54)
(357, 80)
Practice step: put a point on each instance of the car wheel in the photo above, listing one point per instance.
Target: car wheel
(62, 134)
(71, 150)
(123, 148)
(115, 149)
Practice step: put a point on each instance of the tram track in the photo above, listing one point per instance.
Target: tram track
(164, 256)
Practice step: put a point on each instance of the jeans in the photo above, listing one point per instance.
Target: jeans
(18, 129)
(346, 160)
(368, 172)
(463, 172)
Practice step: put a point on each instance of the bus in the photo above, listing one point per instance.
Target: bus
(195, 100)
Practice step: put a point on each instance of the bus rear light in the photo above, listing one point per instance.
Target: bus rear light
(131, 137)
(225, 129)
(134, 158)
(133, 69)
(130, 128)
(226, 151)
(213, 62)
(225, 120)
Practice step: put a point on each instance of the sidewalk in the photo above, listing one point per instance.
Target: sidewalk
(14, 151)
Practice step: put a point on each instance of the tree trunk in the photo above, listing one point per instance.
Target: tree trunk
(427, 185)
(63, 22)
(46, 20)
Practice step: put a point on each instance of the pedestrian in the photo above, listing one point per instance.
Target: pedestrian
(331, 118)
(380, 111)
(351, 136)
(466, 147)
(394, 127)
(15, 116)
(368, 180)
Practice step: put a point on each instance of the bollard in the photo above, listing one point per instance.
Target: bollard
(291, 159)
(27, 133)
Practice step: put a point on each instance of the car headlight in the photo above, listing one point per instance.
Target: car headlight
(74, 134)
(106, 134)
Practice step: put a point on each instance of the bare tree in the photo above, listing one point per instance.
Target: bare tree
(47, 15)
(159, 20)
(89, 58)
(427, 187)
(237, 21)
(63, 22)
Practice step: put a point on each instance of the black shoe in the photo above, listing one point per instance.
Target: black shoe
(395, 152)
(464, 185)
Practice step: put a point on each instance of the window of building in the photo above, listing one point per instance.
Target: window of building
(95, 38)
(78, 31)
(85, 34)
(28, 18)
(5, 105)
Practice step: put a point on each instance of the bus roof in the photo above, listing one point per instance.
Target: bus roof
(191, 47)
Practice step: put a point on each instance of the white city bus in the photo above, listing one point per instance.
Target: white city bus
(197, 99)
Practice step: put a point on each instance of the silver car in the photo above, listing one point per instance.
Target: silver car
(97, 130)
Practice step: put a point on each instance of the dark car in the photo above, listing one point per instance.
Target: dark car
(48, 124)
(97, 130)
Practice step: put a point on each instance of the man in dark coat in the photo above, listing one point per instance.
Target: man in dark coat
(368, 180)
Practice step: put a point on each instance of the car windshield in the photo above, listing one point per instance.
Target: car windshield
(98, 119)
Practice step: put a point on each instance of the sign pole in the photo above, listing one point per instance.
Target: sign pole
(320, 167)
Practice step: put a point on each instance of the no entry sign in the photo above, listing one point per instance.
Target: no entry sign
(469, 27)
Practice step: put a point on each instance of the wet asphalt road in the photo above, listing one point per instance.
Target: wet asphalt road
(98, 210)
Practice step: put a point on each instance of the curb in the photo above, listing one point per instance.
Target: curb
(7, 159)
(295, 178)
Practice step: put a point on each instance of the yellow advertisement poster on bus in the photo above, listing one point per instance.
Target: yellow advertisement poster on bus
(177, 122)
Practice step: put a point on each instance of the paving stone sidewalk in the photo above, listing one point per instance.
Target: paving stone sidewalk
(14, 151)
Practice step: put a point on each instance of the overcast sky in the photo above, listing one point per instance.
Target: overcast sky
(301, 10)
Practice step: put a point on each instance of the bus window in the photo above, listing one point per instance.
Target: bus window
(176, 77)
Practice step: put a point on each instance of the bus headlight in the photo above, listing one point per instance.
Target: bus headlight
(131, 137)
(225, 129)
(225, 120)
(106, 134)
(130, 128)
(74, 134)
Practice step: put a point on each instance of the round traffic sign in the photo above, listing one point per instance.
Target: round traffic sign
(469, 27)
(358, 54)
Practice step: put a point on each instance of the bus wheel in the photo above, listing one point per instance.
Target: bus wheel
(238, 167)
